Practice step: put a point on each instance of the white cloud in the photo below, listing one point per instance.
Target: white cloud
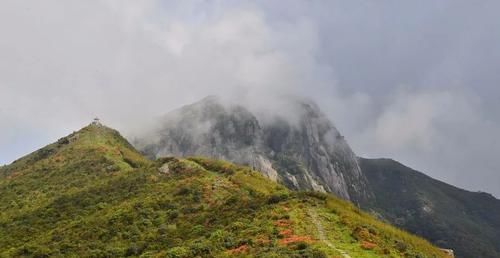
(64, 62)
(127, 62)
(411, 119)
(444, 133)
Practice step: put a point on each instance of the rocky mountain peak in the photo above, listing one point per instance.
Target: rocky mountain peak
(305, 152)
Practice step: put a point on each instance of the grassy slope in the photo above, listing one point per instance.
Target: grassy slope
(462, 220)
(92, 194)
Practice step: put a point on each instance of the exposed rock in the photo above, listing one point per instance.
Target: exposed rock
(306, 152)
(266, 167)
(449, 252)
(164, 169)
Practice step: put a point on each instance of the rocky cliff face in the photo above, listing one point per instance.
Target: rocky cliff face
(306, 152)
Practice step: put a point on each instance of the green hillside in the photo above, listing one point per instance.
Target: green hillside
(451, 217)
(92, 195)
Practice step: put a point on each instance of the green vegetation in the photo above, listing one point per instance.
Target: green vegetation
(465, 221)
(92, 195)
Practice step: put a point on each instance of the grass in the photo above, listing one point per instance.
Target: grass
(92, 195)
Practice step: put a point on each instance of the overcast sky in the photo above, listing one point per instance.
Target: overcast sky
(417, 81)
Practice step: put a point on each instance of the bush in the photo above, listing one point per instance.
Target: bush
(401, 247)
(302, 245)
(233, 199)
(183, 191)
(163, 160)
(172, 214)
(219, 166)
(318, 254)
(133, 250)
(276, 198)
(201, 248)
(33, 251)
(361, 233)
(318, 195)
(178, 252)
(311, 253)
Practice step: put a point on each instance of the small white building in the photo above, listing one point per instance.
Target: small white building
(96, 121)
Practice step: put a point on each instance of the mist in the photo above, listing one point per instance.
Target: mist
(416, 82)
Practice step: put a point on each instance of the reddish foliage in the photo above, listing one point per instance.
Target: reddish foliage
(262, 240)
(238, 250)
(294, 239)
(282, 223)
(286, 232)
(58, 158)
(368, 245)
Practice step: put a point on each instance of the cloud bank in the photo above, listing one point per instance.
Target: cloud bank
(413, 81)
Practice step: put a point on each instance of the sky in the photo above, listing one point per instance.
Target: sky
(416, 81)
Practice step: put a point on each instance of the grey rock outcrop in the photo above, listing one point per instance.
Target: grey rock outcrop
(304, 153)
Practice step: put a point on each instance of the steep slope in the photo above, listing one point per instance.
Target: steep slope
(92, 195)
(466, 221)
(304, 152)
(307, 152)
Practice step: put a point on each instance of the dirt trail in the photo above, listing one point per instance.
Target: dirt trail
(321, 234)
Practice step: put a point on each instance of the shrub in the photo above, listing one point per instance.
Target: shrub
(172, 214)
(183, 191)
(318, 195)
(361, 233)
(302, 245)
(179, 252)
(201, 248)
(400, 246)
(164, 160)
(33, 251)
(232, 200)
(133, 250)
(276, 198)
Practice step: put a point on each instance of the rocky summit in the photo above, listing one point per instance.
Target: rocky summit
(299, 147)
(304, 152)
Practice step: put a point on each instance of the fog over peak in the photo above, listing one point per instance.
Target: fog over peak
(416, 82)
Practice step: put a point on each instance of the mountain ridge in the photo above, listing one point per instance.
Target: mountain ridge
(466, 221)
(91, 194)
(307, 153)
(297, 148)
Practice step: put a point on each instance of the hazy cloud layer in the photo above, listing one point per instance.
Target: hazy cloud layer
(416, 81)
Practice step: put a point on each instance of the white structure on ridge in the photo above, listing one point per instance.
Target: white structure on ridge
(96, 121)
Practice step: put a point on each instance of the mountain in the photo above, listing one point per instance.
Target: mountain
(307, 153)
(468, 222)
(91, 194)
